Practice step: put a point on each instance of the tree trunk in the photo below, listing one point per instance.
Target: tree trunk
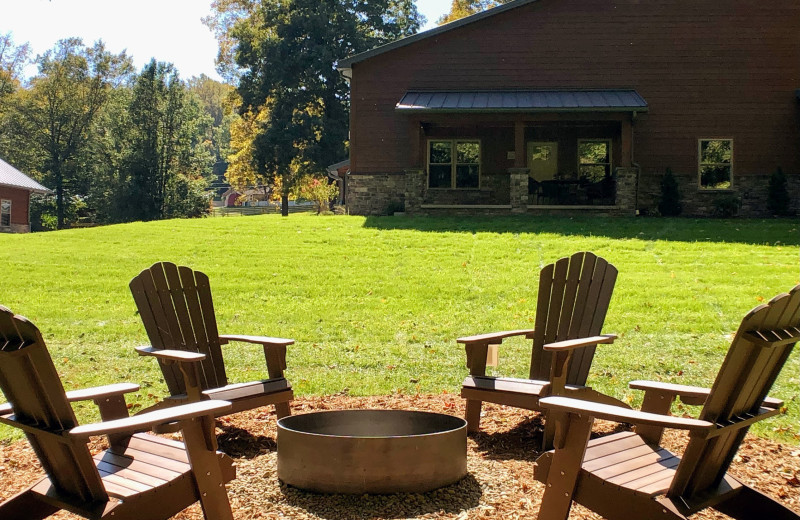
(285, 204)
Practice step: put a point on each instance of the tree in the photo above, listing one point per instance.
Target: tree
(167, 157)
(297, 100)
(463, 8)
(12, 60)
(55, 117)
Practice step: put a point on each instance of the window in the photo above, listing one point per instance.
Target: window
(5, 213)
(454, 164)
(594, 160)
(716, 163)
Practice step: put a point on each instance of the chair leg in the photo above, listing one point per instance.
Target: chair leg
(282, 410)
(198, 436)
(572, 434)
(26, 505)
(751, 504)
(473, 415)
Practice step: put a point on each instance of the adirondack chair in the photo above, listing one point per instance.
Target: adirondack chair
(628, 475)
(178, 314)
(139, 476)
(574, 294)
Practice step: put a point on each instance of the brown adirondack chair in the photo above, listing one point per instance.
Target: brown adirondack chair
(178, 314)
(628, 475)
(574, 294)
(139, 476)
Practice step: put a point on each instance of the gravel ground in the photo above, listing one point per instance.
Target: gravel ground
(500, 483)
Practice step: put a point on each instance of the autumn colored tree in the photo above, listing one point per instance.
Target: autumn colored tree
(293, 98)
(462, 8)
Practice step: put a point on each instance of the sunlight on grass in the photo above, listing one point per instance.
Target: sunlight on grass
(375, 304)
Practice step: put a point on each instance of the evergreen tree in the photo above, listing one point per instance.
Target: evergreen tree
(778, 200)
(670, 204)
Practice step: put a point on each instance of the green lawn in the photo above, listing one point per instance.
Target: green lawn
(375, 304)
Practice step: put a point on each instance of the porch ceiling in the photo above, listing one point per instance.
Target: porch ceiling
(483, 101)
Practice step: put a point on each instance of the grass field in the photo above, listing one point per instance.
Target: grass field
(375, 304)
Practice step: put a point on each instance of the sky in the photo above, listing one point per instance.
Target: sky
(167, 30)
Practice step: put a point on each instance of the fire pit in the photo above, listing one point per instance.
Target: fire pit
(371, 451)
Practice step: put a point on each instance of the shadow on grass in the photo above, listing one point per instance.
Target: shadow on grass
(464, 494)
(784, 231)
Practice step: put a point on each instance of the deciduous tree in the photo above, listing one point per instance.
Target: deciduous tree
(462, 8)
(286, 51)
(55, 117)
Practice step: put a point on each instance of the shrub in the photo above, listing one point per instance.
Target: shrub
(778, 200)
(319, 191)
(670, 204)
(726, 206)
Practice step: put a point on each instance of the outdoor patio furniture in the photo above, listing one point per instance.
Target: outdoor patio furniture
(628, 475)
(178, 314)
(574, 294)
(139, 476)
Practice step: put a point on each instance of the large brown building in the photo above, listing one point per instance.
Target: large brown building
(545, 105)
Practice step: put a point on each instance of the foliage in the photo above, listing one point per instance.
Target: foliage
(726, 206)
(670, 204)
(165, 155)
(217, 101)
(374, 303)
(55, 117)
(463, 8)
(778, 199)
(319, 191)
(293, 97)
(12, 60)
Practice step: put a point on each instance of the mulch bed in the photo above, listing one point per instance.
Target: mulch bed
(500, 483)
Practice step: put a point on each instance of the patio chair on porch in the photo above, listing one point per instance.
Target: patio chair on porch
(574, 294)
(628, 475)
(178, 314)
(138, 476)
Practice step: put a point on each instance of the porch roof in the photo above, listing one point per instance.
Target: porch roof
(554, 100)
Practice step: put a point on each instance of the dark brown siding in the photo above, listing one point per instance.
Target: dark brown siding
(706, 68)
(19, 204)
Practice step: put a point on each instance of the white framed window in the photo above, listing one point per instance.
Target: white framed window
(594, 159)
(715, 164)
(454, 163)
(5, 213)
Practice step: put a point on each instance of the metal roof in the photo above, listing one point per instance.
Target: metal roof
(566, 100)
(10, 176)
(348, 62)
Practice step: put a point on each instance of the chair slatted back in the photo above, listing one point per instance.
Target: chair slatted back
(759, 350)
(574, 295)
(178, 313)
(30, 383)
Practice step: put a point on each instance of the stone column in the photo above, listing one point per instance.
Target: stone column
(415, 190)
(627, 181)
(518, 178)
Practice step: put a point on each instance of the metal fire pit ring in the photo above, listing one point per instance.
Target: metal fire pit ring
(371, 451)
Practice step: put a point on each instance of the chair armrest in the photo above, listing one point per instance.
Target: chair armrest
(619, 414)
(571, 344)
(261, 340)
(274, 350)
(494, 338)
(164, 354)
(147, 421)
(101, 392)
(692, 395)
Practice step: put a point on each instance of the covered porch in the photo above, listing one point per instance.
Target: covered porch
(519, 151)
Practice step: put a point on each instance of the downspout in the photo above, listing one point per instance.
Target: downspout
(635, 165)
